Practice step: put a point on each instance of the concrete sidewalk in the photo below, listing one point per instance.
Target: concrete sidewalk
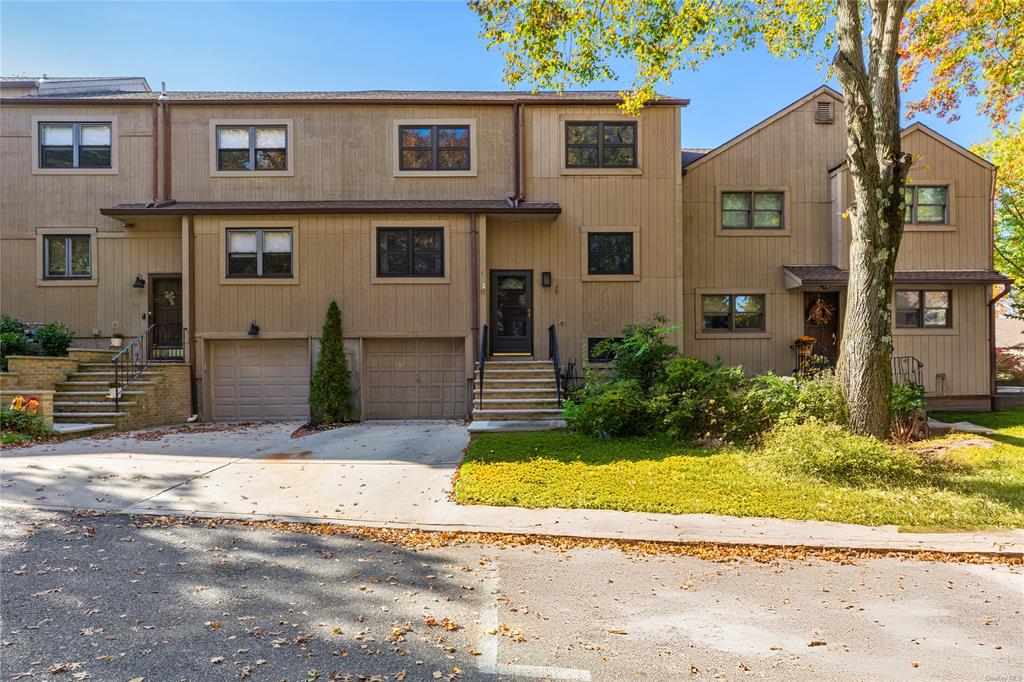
(394, 474)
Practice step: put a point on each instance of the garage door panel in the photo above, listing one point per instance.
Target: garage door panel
(415, 379)
(256, 379)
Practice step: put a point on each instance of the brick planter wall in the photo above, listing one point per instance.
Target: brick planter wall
(38, 372)
(45, 398)
(167, 401)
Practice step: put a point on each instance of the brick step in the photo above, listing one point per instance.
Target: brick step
(107, 374)
(502, 393)
(86, 396)
(516, 414)
(535, 384)
(524, 372)
(96, 384)
(71, 406)
(519, 364)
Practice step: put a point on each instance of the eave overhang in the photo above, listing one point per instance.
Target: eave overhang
(797, 276)
(496, 207)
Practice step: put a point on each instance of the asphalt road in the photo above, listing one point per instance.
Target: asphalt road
(100, 599)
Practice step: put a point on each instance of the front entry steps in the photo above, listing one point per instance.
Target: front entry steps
(516, 392)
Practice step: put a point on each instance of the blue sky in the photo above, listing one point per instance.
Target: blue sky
(356, 46)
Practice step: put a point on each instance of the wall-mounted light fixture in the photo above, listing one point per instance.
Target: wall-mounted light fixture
(545, 279)
(254, 329)
(139, 283)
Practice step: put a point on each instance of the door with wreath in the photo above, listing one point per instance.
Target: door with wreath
(821, 323)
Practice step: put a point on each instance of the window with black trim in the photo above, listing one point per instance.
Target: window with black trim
(732, 312)
(75, 145)
(259, 252)
(592, 344)
(925, 204)
(434, 148)
(67, 256)
(252, 148)
(921, 309)
(610, 253)
(752, 210)
(600, 144)
(410, 252)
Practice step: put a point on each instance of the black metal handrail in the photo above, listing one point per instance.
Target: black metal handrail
(906, 369)
(129, 363)
(556, 361)
(481, 360)
(812, 357)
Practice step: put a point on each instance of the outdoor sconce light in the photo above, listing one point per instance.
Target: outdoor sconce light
(139, 283)
(254, 329)
(545, 279)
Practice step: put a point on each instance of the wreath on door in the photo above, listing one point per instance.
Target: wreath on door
(821, 313)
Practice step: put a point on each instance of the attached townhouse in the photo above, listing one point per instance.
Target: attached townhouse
(447, 224)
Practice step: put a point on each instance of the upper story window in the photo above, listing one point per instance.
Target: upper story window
(254, 252)
(410, 252)
(600, 144)
(752, 210)
(434, 148)
(924, 309)
(252, 148)
(925, 204)
(732, 312)
(67, 256)
(75, 145)
(610, 253)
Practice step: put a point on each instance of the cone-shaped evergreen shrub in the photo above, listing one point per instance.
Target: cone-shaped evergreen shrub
(330, 396)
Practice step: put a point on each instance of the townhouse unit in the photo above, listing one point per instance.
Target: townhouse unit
(221, 224)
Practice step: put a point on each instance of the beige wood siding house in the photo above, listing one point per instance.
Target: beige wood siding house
(556, 204)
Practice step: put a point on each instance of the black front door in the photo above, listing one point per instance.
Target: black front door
(511, 311)
(165, 339)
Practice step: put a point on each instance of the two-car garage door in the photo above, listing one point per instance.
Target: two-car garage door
(254, 379)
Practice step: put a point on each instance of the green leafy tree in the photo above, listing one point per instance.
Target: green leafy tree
(552, 43)
(330, 393)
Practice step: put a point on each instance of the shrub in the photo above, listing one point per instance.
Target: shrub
(613, 408)
(768, 399)
(829, 452)
(12, 325)
(909, 420)
(1010, 367)
(819, 397)
(15, 421)
(54, 339)
(698, 399)
(11, 343)
(330, 395)
(641, 353)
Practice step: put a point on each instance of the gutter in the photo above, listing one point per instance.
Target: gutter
(1007, 287)
(474, 284)
(156, 154)
(192, 314)
(517, 187)
(86, 101)
(166, 108)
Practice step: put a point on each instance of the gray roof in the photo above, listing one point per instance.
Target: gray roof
(831, 275)
(496, 96)
(64, 79)
(691, 154)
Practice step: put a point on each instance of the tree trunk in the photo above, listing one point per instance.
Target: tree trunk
(878, 169)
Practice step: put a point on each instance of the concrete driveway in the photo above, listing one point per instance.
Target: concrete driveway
(375, 472)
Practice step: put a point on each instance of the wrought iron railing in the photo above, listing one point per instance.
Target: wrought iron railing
(812, 357)
(556, 361)
(481, 360)
(906, 369)
(129, 363)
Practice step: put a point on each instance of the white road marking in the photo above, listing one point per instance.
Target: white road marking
(488, 646)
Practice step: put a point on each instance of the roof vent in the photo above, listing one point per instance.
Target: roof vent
(823, 112)
(163, 90)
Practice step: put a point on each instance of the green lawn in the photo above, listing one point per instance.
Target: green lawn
(981, 487)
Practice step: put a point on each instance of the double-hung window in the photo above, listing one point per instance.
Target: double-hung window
(75, 145)
(434, 148)
(256, 252)
(924, 309)
(752, 210)
(410, 252)
(732, 312)
(610, 253)
(600, 144)
(67, 256)
(925, 204)
(252, 148)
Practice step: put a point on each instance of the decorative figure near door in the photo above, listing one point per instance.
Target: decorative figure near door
(170, 297)
(821, 313)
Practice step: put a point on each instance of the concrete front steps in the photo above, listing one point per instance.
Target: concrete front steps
(516, 390)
